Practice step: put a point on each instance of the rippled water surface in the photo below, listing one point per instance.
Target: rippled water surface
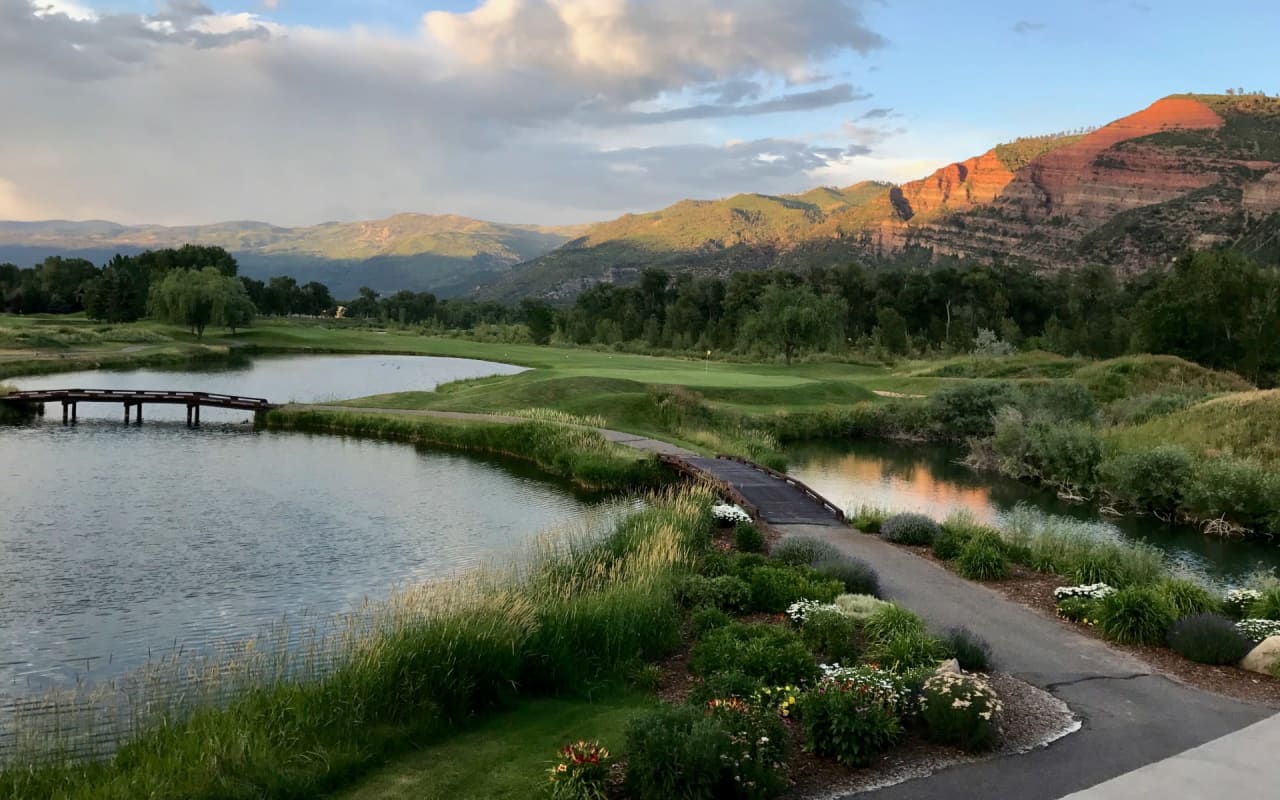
(929, 480)
(117, 542)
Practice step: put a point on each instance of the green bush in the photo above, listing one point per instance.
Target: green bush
(756, 766)
(715, 563)
(960, 710)
(748, 538)
(1113, 563)
(1068, 454)
(803, 551)
(1267, 606)
(746, 563)
(831, 635)
(707, 619)
(909, 529)
(857, 576)
(1187, 597)
(966, 647)
(725, 592)
(983, 558)
(890, 622)
(1058, 400)
(1239, 490)
(853, 717)
(1138, 409)
(722, 686)
(1135, 615)
(1208, 639)
(966, 410)
(1152, 479)
(868, 519)
(773, 654)
(676, 752)
(859, 607)
(775, 588)
(1079, 609)
(907, 651)
(950, 542)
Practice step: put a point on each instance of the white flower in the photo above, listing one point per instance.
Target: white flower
(799, 611)
(1091, 591)
(1258, 629)
(725, 512)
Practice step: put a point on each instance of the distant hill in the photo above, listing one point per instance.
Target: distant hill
(448, 255)
(1188, 171)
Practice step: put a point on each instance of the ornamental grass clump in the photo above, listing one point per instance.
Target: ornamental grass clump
(775, 588)
(1237, 601)
(1208, 639)
(580, 772)
(909, 529)
(723, 685)
(983, 558)
(1187, 597)
(970, 650)
(747, 538)
(830, 635)
(908, 651)
(868, 519)
(859, 607)
(961, 710)
(1266, 605)
(1135, 615)
(853, 713)
(890, 621)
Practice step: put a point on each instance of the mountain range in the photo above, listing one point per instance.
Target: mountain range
(1188, 171)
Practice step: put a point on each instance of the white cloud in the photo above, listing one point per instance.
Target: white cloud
(187, 115)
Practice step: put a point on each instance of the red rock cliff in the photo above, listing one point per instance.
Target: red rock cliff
(955, 187)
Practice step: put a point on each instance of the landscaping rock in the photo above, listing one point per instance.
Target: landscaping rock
(952, 667)
(1264, 657)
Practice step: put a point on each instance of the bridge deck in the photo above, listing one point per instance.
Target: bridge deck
(138, 397)
(775, 498)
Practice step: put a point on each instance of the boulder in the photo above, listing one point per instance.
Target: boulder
(952, 667)
(1264, 658)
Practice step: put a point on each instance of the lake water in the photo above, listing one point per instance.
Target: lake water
(118, 542)
(931, 481)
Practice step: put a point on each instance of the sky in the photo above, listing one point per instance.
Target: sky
(560, 111)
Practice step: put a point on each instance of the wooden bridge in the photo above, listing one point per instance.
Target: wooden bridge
(769, 496)
(134, 398)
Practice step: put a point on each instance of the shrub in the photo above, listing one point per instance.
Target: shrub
(831, 635)
(960, 710)
(966, 647)
(1186, 597)
(1113, 563)
(723, 685)
(950, 542)
(1151, 479)
(868, 519)
(859, 607)
(1267, 606)
(580, 772)
(1135, 615)
(983, 558)
(1058, 400)
(643, 677)
(767, 652)
(1233, 488)
(746, 563)
(852, 714)
(675, 752)
(747, 538)
(775, 588)
(803, 551)
(1208, 639)
(1079, 609)
(910, 529)
(857, 576)
(725, 592)
(715, 563)
(967, 410)
(907, 651)
(889, 622)
(707, 619)
(1237, 602)
(1066, 454)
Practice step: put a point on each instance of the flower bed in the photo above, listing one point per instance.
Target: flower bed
(728, 514)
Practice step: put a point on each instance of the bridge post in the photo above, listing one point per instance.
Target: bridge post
(197, 415)
(74, 407)
(188, 415)
(64, 412)
(126, 412)
(40, 409)
(139, 413)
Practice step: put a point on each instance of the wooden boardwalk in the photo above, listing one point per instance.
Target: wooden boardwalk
(135, 398)
(770, 496)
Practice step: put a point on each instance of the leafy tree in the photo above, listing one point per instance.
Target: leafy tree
(789, 318)
(316, 299)
(63, 281)
(119, 293)
(539, 318)
(199, 298)
(891, 330)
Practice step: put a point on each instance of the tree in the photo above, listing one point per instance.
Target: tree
(119, 293)
(891, 329)
(201, 298)
(539, 319)
(63, 281)
(791, 317)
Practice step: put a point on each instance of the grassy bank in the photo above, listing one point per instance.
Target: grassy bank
(567, 451)
(571, 615)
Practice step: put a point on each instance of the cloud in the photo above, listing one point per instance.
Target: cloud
(1023, 26)
(878, 113)
(540, 110)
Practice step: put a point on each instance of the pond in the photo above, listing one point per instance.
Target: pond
(930, 480)
(118, 542)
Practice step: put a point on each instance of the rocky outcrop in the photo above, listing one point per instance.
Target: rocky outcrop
(955, 187)
(1263, 197)
(1090, 180)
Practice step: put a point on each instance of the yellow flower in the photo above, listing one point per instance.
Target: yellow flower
(562, 768)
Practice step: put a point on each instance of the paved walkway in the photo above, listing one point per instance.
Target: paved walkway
(1143, 727)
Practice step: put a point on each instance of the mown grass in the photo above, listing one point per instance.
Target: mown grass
(579, 454)
(501, 758)
(568, 618)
